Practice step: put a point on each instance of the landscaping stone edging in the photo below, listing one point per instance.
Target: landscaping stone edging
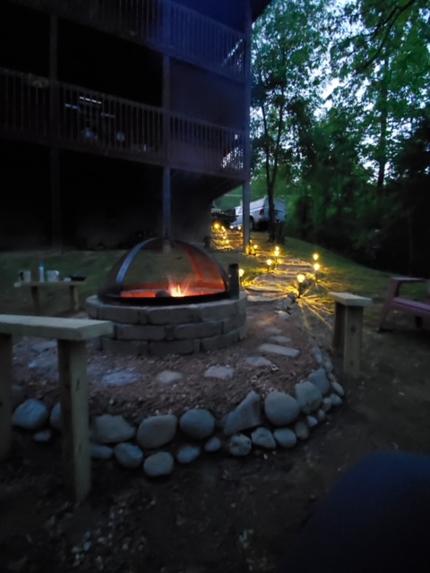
(280, 421)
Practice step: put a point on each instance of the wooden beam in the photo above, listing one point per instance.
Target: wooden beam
(5, 394)
(246, 222)
(246, 189)
(74, 329)
(54, 155)
(348, 299)
(75, 415)
(167, 204)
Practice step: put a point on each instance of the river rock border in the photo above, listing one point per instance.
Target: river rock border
(280, 421)
(182, 329)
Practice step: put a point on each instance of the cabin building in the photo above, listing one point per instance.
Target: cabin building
(121, 119)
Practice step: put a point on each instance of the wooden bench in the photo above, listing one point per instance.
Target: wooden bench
(71, 335)
(419, 309)
(348, 329)
(36, 286)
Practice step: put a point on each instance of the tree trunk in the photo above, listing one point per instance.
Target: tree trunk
(383, 122)
(272, 222)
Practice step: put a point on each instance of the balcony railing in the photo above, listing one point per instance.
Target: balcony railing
(32, 107)
(163, 25)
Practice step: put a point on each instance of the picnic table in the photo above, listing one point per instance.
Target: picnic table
(36, 286)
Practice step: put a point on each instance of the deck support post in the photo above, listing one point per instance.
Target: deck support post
(54, 154)
(246, 189)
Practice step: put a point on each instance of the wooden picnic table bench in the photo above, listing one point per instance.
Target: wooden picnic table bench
(71, 335)
(37, 286)
(348, 329)
(419, 309)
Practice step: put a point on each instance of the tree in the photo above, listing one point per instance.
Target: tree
(288, 45)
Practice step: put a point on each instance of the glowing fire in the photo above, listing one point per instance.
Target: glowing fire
(176, 291)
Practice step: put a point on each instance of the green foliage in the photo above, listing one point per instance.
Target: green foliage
(351, 162)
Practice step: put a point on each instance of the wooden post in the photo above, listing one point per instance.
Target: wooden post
(353, 328)
(74, 410)
(246, 189)
(35, 298)
(74, 298)
(54, 157)
(348, 329)
(339, 329)
(234, 280)
(246, 223)
(5, 394)
(167, 180)
(167, 204)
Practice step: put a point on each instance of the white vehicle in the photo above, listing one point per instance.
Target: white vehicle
(259, 213)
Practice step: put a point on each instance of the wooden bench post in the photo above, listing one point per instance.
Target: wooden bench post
(72, 362)
(5, 394)
(348, 330)
(72, 335)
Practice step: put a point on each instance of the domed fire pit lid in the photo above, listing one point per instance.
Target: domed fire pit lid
(159, 272)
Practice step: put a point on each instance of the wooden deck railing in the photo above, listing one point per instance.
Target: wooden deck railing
(163, 25)
(32, 107)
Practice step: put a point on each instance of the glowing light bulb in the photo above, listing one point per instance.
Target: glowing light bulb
(241, 273)
(269, 263)
(315, 256)
(317, 267)
(301, 278)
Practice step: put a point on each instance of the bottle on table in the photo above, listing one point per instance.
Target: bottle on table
(41, 272)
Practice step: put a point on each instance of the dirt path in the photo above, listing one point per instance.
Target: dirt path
(220, 515)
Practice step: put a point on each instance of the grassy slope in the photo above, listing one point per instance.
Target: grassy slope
(339, 273)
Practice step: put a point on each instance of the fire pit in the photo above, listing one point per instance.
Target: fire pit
(169, 297)
(161, 273)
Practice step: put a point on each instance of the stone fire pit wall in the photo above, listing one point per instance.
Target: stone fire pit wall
(165, 330)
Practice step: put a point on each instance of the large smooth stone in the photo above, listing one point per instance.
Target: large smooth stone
(157, 431)
(187, 454)
(278, 350)
(320, 380)
(213, 445)
(159, 464)
(219, 372)
(239, 445)
(43, 437)
(30, 415)
(168, 377)
(301, 430)
(263, 438)
(120, 378)
(100, 452)
(258, 362)
(55, 418)
(338, 389)
(281, 408)
(246, 415)
(285, 437)
(335, 400)
(197, 423)
(109, 429)
(308, 396)
(128, 455)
